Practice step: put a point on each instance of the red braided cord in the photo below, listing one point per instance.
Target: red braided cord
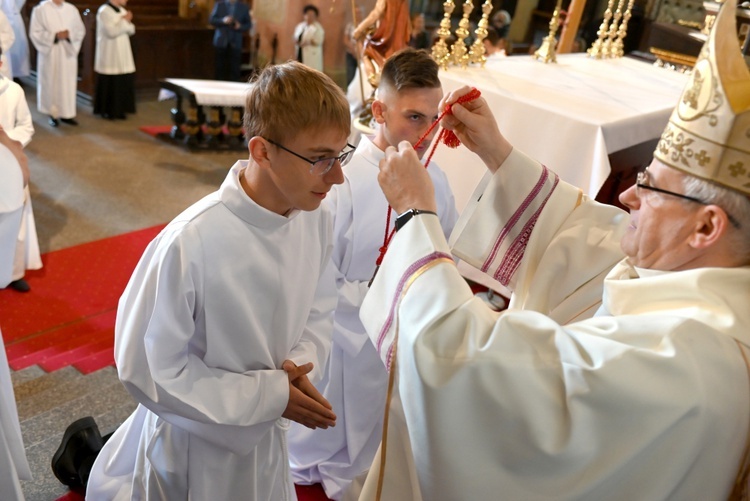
(445, 136)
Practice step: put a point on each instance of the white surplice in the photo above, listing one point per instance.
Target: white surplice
(11, 211)
(312, 55)
(15, 116)
(16, 121)
(7, 39)
(355, 380)
(648, 399)
(13, 464)
(114, 55)
(222, 296)
(19, 52)
(57, 63)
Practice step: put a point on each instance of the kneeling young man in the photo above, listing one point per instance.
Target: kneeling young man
(355, 381)
(229, 312)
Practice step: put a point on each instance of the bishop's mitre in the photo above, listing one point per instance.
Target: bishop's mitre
(708, 134)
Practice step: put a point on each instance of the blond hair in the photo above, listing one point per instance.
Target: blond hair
(290, 98)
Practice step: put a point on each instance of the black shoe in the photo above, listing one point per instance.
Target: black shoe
(20, 285)
(69, 121)
(80, 445)
(53, 122)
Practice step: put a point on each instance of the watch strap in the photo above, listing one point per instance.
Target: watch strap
(406, 216)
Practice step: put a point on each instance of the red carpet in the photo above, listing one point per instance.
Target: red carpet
(68, 317)
(153, 130)
(304, 493)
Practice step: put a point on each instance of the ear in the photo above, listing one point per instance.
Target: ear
(711, 225)
(378, 109)
(258, 149)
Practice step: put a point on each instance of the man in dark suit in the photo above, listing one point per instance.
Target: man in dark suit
(231, 18)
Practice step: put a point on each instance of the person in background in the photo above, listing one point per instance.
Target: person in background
(420, 37)
(7, 39)
(500, 20)
(495, 46)
(113, 62)
(621, 369)
(15, 119)
(231, 20)
(19, 51)
(56, 30)
(14, 175)
(355, 381)
(309, 37)
(226, 321)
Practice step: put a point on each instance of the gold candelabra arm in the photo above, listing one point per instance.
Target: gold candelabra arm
(477, 52)
(608, 46)
(440, 52)
(595, 50)
(618, 47)
(547, 52)
(459, 51)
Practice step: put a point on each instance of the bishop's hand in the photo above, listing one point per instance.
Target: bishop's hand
(404, 180)
(475, 126)
(306, 405)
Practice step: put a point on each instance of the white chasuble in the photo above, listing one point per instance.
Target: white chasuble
(57, 61)
(222, 296)
(651, 402)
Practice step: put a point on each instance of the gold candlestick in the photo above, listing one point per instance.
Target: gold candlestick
(618, 47)
(595, 50)
(547, 51)
(608, 44)
(459, 52)
(476, 54)
(440, 51)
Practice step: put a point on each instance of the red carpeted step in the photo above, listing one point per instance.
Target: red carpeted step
(101, 341)
(96, 361)
(30, 351)
(74, 295)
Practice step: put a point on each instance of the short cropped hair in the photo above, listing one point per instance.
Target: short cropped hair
(290, 98)
(736, 204)
(311, 7)
(410, 69)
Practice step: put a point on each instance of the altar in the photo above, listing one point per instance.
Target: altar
(207, 113)
(583, 118)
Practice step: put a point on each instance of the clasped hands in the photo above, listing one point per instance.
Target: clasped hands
(306, 404)
(404, 180)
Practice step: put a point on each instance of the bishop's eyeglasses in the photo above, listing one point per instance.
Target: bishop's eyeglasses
(641, 183)
(322, 166)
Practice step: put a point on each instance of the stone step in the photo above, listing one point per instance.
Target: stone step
(44, 393)
(25, 375)
(49, 403)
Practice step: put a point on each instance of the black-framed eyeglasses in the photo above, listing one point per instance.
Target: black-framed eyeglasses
(320, 167)
(641, 184)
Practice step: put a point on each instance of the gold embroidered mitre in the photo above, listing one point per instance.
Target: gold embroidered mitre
(708, 134)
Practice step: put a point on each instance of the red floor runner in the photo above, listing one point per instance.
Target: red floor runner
(68, 317)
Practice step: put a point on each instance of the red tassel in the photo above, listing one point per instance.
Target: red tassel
(446, 137)
(450, 140)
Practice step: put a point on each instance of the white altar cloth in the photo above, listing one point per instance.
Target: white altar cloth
(210, 92)
(570, 115)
